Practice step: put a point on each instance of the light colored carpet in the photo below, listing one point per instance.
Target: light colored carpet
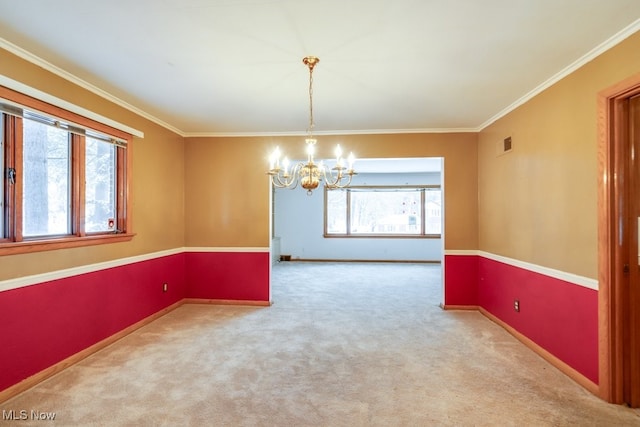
(343, 345)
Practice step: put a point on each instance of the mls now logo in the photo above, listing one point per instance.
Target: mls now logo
(22, 415)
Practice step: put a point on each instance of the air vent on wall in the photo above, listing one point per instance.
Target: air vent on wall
(505, 146)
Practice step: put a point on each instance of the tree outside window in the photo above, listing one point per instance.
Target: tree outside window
(379, 211)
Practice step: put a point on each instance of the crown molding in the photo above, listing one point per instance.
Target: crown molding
(36, 60)
(589, 56)
(328, 133)
(50, 99)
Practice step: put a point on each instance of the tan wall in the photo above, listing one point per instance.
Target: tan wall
(227, 191)
(538, 203)
(158, 180)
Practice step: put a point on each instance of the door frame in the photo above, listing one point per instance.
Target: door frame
(613, 133)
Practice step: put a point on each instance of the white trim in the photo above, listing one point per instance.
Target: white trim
(27, 90)
(226, 249)
(593, 53)
(50, 99)
(460, 252)
(30, 57)
(328, 132)
(21, 282)
(589, 56)
(546, 271)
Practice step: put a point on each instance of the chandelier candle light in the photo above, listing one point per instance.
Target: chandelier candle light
(308, 173)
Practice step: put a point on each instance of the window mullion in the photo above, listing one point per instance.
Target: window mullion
(8, 181)
(325, 210)
(78, 195)
(423, 212)
(15, 206)
(122, 190)
(348, 212)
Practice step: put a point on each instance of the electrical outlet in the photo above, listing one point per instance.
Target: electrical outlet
(516, 305)
(165, 287)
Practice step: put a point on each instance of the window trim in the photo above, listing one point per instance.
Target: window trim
(349, 235)
(12, 215)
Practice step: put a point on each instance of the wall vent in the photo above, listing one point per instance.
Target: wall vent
(505, 146)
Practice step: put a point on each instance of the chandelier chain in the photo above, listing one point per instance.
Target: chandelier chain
(311, 123)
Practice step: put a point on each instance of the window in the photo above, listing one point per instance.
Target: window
(101, 185)
(383, 211)
(65, 178)
(46, 179)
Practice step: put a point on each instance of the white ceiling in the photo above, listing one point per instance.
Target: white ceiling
(233, 67)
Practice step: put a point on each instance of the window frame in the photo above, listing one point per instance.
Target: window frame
(12, 241)
(349, 235)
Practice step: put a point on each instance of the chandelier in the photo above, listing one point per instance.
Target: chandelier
(309, 174)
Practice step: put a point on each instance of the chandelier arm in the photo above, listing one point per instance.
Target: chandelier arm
(338, 184)
(277, 182)
(346, 184)
(280, 180)
(273, 177)
(328, 177)
(295, 172)
(332, 180)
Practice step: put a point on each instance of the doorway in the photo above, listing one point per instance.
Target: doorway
(301, 223)
(618, 243)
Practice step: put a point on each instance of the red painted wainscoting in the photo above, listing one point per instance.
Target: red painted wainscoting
(238, 276)
(461, 280)
(559, 316)
(45, 323)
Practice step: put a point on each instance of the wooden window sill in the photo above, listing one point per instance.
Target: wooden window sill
(30, 246)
